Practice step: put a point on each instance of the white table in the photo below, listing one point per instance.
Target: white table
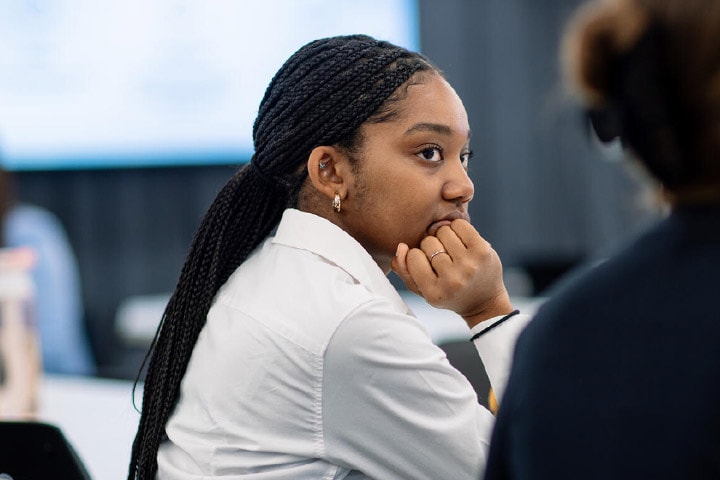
(138, 317)
(97, 417)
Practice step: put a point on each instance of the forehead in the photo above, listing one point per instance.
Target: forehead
(432, 100)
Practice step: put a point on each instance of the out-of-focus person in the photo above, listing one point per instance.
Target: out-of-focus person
(617, 375)
(58, 301)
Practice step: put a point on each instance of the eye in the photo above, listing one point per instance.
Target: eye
(431, 153)
(465, 158)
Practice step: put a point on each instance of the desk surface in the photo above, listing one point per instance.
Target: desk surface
(98, 419)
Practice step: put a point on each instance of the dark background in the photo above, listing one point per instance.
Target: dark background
(545, 198)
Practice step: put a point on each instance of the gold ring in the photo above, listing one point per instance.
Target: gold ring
(436, 253)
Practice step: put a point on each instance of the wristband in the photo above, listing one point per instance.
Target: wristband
(495, 324)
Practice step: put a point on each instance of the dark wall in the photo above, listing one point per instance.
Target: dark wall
(131, 230)
(543, 195)
(542, 189)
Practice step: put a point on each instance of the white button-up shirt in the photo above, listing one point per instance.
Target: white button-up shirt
(311, 366)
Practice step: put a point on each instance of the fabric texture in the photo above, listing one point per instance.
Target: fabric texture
(312, 366)
(617, 376)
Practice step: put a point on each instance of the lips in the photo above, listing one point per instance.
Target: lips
(446, 220)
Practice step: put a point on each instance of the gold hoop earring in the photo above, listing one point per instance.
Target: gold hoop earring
(337, 203)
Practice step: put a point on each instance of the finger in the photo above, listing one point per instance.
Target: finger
(429, 277)
(451, 242)
(441, 262)
(420, 270)
(467, 234)
(434, 249)
(399, 266)
(437, 255)
(431, 245)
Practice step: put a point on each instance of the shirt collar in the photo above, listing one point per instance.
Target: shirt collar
(318, 235)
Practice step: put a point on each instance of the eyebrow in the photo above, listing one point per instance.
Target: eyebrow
(430, 127)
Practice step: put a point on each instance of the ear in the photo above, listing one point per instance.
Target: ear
(329, 171)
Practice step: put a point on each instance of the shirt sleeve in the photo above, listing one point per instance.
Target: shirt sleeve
(496, 348)
(394, 407)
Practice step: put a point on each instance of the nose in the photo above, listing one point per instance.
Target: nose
(458, 186)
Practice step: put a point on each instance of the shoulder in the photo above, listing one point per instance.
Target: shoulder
(31, 224)
(298, 295)
(30, 214)
(602, 297)
(293, 281)
(620, 272)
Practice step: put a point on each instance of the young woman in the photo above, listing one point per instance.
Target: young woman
(617, 376)
(291, 355)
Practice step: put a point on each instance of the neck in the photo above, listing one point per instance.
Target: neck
(383, 262)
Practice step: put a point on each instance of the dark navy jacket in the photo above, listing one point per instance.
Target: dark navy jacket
(618, 376)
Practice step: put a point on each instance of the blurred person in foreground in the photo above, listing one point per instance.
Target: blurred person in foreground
(618, 376)
(285, 352)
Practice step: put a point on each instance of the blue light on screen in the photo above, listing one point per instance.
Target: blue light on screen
(120, 83)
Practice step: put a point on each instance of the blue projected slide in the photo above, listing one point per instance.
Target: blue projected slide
(120, 83)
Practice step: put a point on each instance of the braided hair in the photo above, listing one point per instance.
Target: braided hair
(320, 96)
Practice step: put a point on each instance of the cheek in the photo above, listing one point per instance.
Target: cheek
(409, 219)
(411, 199)
(409, 188)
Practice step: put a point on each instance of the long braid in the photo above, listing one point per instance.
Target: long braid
(320, 96)
(234, 225)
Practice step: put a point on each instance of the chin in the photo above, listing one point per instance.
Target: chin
(416, 242)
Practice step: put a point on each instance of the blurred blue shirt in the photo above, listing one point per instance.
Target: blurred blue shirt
(59, 307)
